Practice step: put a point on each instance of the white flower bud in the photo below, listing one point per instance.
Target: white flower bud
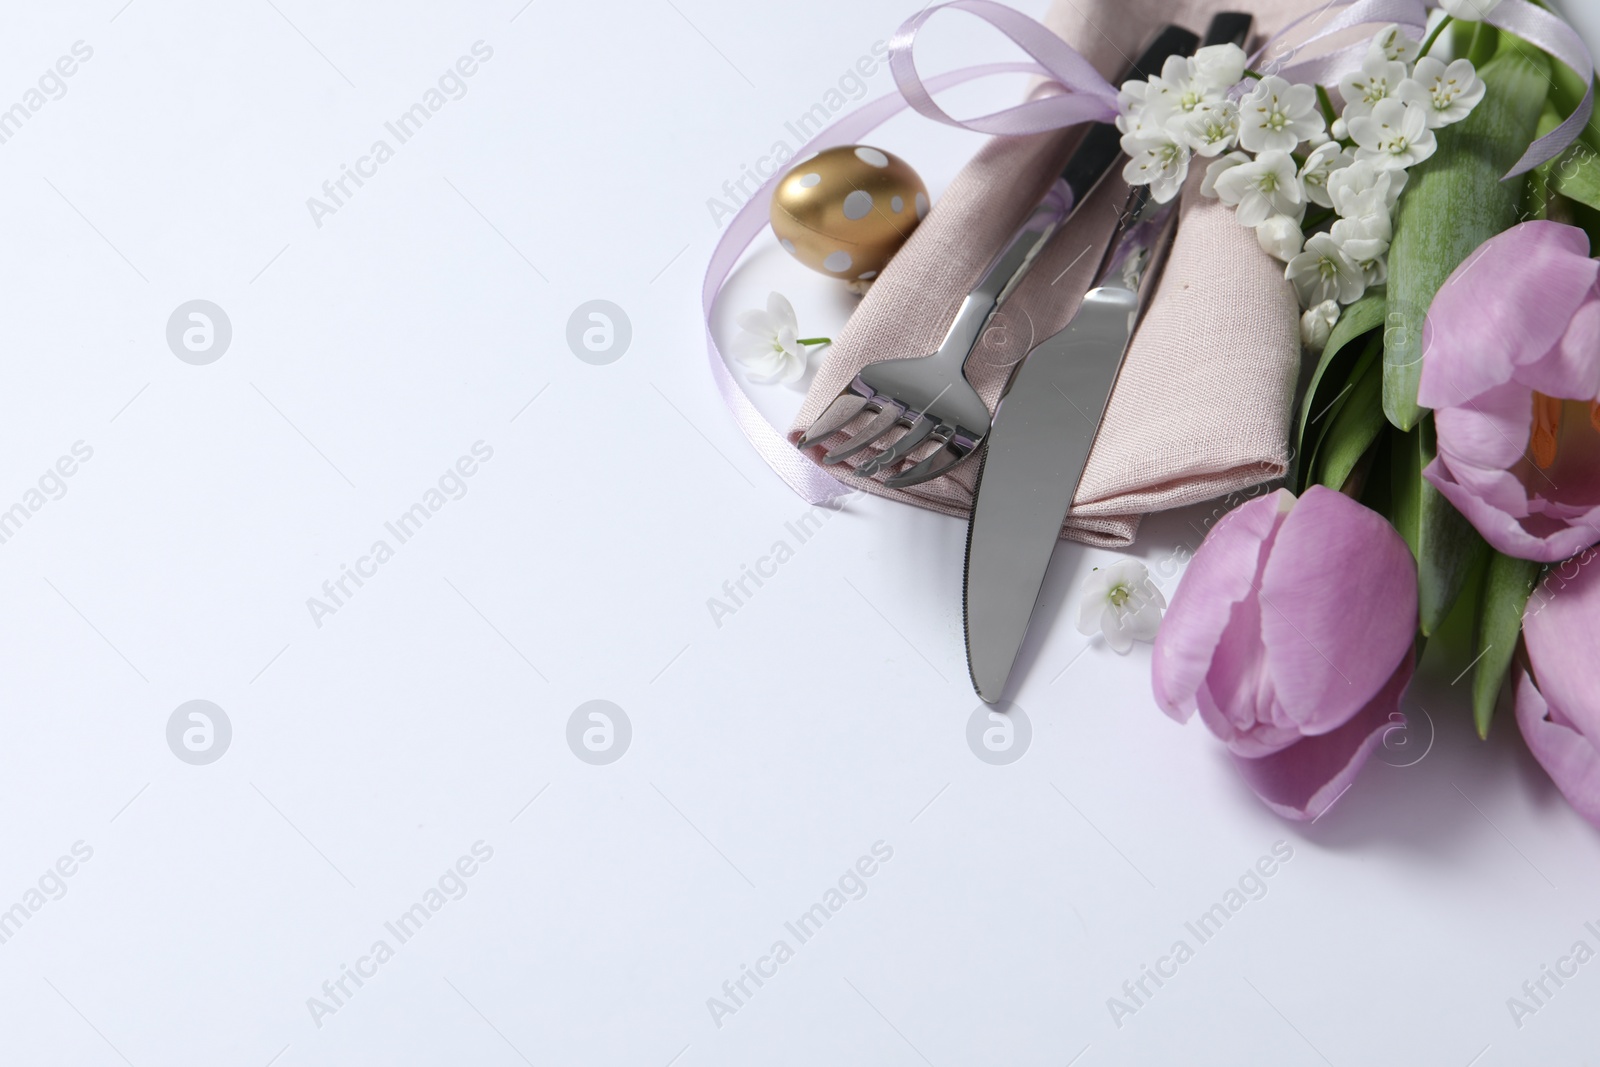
(1280, 237)
(1316, 325)
(1340, 130)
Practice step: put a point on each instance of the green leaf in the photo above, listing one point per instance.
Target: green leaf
(1357, 424)
(1445, 545)
(1506, 591)
(1576, 176)
(1454, 202)
(1329, 381)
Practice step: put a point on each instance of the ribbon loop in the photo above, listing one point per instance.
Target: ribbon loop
(1088, 97)
(1543, 30)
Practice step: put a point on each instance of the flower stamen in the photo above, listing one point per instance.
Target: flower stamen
(1546, 431)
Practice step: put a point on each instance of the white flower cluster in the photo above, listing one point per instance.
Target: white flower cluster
(1277, 155)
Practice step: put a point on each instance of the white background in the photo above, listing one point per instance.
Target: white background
(430, 711)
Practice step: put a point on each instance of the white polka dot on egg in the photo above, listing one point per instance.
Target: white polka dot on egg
(857, 204)
(872, 156)
(808, 180)
(897, 205)
(922, 206)
(838, 262)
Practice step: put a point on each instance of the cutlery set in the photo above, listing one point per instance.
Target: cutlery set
(1036, 444)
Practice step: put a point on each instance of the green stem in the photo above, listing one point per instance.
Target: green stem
(1485, 40)
(814, 341)
(1434, 36)
(1254, 74)
(1327, 105)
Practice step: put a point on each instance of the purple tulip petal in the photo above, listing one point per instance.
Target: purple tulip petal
(1561, 627)
(1489, 431)
(1567, 756)
(1223, 572)
(1505, 533)
(1507, 305)
(1570, 369)
(1303, 781)
(1237, 702)
(1340, 596)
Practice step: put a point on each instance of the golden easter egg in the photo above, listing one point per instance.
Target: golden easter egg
(846, 211)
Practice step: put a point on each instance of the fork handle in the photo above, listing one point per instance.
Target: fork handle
(1005, 271)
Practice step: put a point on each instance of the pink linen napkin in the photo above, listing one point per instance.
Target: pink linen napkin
(1202, 406)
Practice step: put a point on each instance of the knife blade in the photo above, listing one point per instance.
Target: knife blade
(1044, 427)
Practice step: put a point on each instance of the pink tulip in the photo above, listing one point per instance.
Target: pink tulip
(1558, 703)
(1291, 633)
(1511, 367)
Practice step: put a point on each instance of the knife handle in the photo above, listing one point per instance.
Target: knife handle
(1229, 27)
(1143, 226)
(1102, 142)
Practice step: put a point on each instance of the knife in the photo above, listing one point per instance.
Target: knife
(1044, 428)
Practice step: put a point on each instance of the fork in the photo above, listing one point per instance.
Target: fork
(930, 395)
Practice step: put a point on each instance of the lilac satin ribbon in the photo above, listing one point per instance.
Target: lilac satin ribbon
(1540, 28)
(1089, 97)
(1530, 22)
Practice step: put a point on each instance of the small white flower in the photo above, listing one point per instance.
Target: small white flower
(1446, 93)
(1316, 325)
(1220, 66)
(1394, 136)
(1262, 188)
(1363, 189)
(1318, 166)
(1394, 46)
(1377, 80)
(1180, 89)
(1280, 237)
(1209, 130)
(1158, 161)
(1318, 139)
(1134, 116)
(1123, 603)
(1134, 93)
(767, 341)
(1277, 116)
(1208, 187)
(1469, 10)
(1323, 272)
(1365, 241)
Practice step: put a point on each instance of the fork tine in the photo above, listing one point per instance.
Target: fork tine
(930, 468)
(846, 406)
(913, 437)
(881, 424)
